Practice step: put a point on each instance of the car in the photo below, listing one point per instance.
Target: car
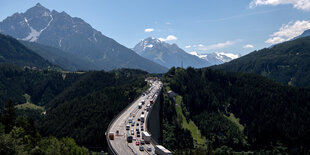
(132, 124)
(138, 134)
(142, 112)
(137, 124)
(134, 138)
(149, 149)
(142, 142)
(137, 129)
(138, 119)
(132, 133)
(141, 148)
(127, 127)
(137, 142)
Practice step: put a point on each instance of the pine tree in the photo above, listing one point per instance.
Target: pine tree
(9, 116)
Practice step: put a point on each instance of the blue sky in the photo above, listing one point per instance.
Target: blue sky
(205, 26)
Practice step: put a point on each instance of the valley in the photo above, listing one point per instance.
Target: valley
(159, 78)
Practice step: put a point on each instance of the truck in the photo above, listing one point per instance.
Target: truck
(160, 150)
(142, 118)
(148, 106)
(129, 137)
(111, 135)
(146, 137)
(140, 105)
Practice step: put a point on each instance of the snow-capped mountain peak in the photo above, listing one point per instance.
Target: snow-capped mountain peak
(225, 57)
(167, 54)
(216, 57)
(148, 43)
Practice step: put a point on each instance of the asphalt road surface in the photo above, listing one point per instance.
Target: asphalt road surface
(120, 144)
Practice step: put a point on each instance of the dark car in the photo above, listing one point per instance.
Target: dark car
(142, 142)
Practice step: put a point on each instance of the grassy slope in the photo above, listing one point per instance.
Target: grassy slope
(191, 126)
(29, 105)
(236, 121)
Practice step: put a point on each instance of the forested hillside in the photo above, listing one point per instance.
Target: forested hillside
(41, 86)
(65, 60)
(288, 62)
(13, 52)
(76, 105)
(84, 110)
(243, 112)
(18, 135)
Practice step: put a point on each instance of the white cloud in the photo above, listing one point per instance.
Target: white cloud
(248, 46)
(298, 4)
(149, 30)
(289, 31)
(188, 46)
(214, 46)
(168, 23)
(169, 38)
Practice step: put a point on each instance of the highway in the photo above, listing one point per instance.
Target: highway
(120, 144)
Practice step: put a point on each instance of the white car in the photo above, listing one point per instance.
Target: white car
(149, 149)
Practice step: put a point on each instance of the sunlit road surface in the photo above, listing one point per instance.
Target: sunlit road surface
(120, 144)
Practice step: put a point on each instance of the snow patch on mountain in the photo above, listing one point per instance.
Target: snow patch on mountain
(216, 57)
(149, 43)
(230, 55)
(198, 55)
(226, 57)
(149, 46)
(34, 34)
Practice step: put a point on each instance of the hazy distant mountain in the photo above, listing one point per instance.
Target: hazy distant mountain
(75, 36)
(13, 52)
(65, 60)
(168, 55)
(304, 34)
(217, 57)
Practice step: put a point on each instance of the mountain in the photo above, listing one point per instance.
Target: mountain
(13, 52)
(75, 36)
(96, 97)
(74, 102)
(234, 112)
(168, 55)
(65, 60)
(304, 34)
(216, 58)
(287, 63)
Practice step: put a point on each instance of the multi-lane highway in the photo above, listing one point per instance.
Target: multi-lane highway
(133, 114)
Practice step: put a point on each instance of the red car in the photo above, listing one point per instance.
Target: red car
(137, 143)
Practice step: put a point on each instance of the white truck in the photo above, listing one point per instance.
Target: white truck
(146, 137)
(140, 105)
(142, 118)
(148, 106)
(160, 150)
